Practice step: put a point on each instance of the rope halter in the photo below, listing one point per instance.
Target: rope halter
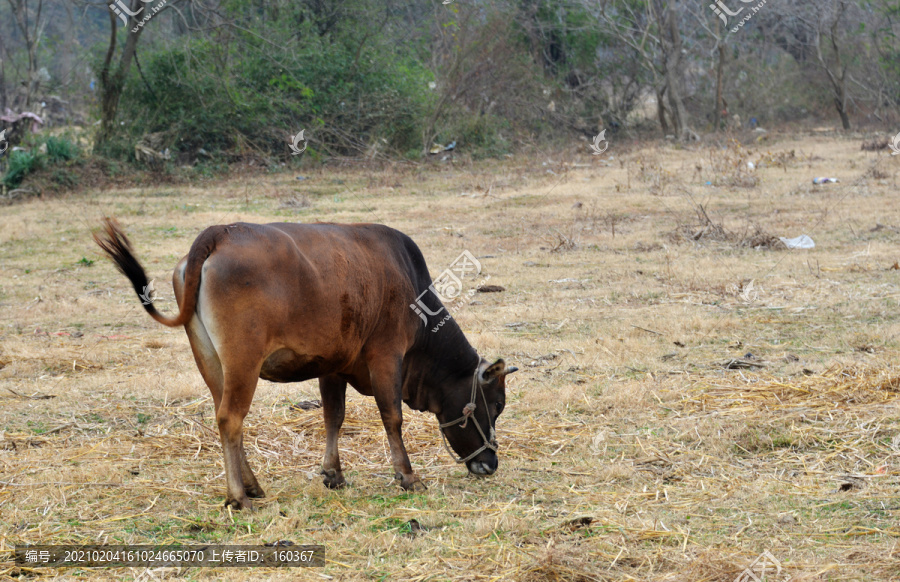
(469, 412)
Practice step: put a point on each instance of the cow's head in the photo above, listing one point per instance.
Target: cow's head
(468, 429)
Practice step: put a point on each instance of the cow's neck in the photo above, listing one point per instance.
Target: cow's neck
(435, 364)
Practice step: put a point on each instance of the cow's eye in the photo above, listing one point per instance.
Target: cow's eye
(499, 407)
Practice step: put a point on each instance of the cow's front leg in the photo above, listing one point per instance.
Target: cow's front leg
(386, 385)
(333, 391)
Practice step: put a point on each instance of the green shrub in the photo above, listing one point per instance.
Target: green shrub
(244, 97)
(21, 163)
(60, 149)
(42, 151)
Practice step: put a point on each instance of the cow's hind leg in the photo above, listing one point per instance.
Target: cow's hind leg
(236, 398)
(251, 486)
(211, 369)
(333, 391)
(385, 375)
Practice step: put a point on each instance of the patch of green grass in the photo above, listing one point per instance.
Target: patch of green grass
(416, 500)
(389, 523)
(36, 427)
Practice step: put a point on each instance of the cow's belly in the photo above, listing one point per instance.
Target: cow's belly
(287, 365)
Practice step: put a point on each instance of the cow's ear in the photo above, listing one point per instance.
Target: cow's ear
(496, 370)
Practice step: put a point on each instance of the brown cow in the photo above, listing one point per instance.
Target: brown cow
(291, 302)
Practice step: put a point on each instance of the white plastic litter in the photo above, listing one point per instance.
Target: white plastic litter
(801, 242)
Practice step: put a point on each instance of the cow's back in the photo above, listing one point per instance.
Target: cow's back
(316, 295)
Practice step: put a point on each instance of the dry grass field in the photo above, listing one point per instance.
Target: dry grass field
(691, 393)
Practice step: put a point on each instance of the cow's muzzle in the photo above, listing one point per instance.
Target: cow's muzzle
(477, 467)
(482, 467)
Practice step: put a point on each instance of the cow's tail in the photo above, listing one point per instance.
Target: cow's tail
(114, 242)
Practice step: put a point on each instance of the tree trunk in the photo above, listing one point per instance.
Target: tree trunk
(674, 67)
(842, 111)
(109, 105)
(661, 110)
(720, 74)
(112, 82)
(841, 89)
(838, 76)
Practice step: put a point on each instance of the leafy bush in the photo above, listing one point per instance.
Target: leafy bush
(60, 149)
(21, 163)
(42, 151)
(242, 97)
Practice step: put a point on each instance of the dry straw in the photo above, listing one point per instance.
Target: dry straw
(627, 451)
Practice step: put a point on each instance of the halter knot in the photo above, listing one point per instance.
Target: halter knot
(468, 410)
(467, 413)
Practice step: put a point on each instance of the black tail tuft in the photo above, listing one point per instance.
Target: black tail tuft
(114, 243)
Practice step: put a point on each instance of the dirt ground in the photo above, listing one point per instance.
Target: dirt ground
(691, 395)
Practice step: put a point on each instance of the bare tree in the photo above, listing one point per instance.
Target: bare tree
(134, 14)
(675, 63)
(716, 38)
(652, 29)
(828, 42)
(828, 29)
(27, 16)
(721, 55)
(882, 22)
(476, 70)
(112, 77)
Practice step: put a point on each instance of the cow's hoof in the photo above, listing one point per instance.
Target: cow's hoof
(255, 492)
(412, 484)
(239, 504)
(333, 479)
